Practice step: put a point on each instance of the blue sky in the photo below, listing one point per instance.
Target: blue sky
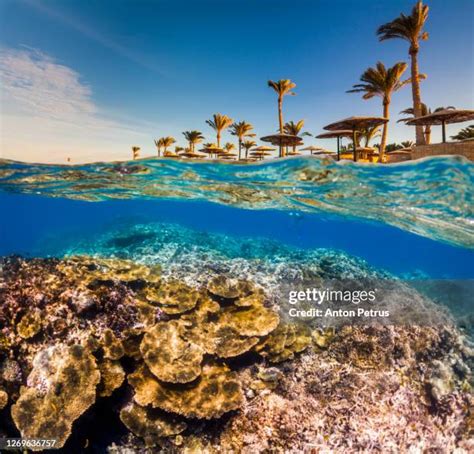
(91, 79)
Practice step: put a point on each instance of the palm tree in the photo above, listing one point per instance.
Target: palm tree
(381, 81)
(282, 87)
(293, 129)
(135, 151)
(167, 142)
(465, 133)
(219, 123)
(407, 144)
(241, 129)
(369, 133)
(248, 144)
(193, 137)
(425, 110)
(159, 144)
(410, 28)
(178, 149)
(228, 147)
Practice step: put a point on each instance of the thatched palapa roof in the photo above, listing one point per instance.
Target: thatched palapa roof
(355, 123)
(335, 134)
(283, 139)
(443, 116)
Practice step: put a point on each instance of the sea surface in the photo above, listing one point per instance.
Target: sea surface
(413, 219)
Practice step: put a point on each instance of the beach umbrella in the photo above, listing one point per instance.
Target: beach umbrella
(227, 155)
(311, 148)
(192, 155)
(338, 134)
(354, 124)
(260, 154)
(169, 154)
(264, 148)
(212, 150)
(283, 140)
(323, 152)
(294, 153)
(443, 117)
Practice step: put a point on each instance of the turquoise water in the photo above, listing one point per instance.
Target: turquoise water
(413, 219)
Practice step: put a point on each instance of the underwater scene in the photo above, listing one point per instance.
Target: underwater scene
(161, 305)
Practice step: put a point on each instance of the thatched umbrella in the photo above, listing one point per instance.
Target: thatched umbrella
(336, 134)
(170, 154)
(190, 154)
(283, 140)
(212, 150)
(443, 117)
(323, 152)
(227, 155)
(367, 151)
(354, 124)
(260, 154)
(294, 153)
(263, 148)
(311, 148)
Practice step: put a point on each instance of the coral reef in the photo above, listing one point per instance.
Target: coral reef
(150, 424)
(217, 391)
(212, 363)
(60, 387)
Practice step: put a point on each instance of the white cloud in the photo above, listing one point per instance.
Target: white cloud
(48, 113)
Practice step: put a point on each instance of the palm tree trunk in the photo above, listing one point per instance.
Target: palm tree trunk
(240, 148)
(218, 139)
(280, 113)
(428, 134)
(383, 143)
(415, 89)
(280, 119)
